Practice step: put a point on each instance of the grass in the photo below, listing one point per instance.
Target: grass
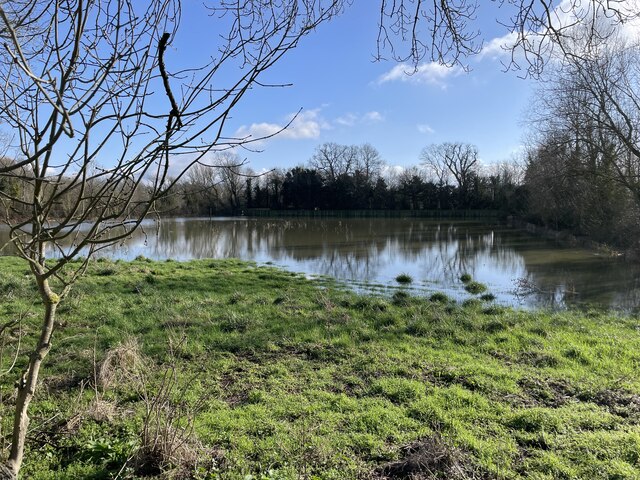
(286, 378)
(404, 278)
(475, 288)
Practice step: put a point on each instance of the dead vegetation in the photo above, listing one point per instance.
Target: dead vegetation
(120, 364)
(429, 459)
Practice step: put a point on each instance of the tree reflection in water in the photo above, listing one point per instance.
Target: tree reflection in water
(435, 252)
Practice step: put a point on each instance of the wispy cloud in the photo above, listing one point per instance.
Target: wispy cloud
(306, 124)
(347, 120)
(373, 117)
(431, 73)
(352, 119)
(499, 47)
(425, 128)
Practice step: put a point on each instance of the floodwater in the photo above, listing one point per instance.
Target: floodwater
(518, 268)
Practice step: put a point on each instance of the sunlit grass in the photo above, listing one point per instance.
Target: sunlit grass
(305, 378)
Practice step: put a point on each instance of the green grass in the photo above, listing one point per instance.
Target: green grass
(475, 288)
(404, 278)
(288, 378)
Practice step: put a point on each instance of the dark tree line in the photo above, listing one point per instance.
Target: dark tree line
(348, 177)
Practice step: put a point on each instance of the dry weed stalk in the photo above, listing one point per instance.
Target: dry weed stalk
(168, 440)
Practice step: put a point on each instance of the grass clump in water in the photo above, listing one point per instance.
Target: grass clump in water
(404, 278)
(465, 278)
(475, 288)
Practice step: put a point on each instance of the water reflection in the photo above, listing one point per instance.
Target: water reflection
(519, 268)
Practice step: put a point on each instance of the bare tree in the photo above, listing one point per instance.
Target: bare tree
(333, 160)
(535, 30)
(232, 176)
(100, 115)
(597, 86)
(452, 160)
(369, 162)
(584, 170)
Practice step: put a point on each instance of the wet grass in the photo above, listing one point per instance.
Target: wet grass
(289, 378)
(404, 278)
(474, 287)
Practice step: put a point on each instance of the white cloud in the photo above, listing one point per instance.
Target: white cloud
(373, 117)
(499, 47)
(306, 124)
(348, 120)
(568, 16)
(431, 73)
(352, 119)
(425, 128)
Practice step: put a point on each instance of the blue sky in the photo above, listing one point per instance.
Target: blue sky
(346, 97)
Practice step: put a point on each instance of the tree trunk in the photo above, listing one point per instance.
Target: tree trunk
(27, 384)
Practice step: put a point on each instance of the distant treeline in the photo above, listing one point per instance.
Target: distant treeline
(576, 177)
(343, 177)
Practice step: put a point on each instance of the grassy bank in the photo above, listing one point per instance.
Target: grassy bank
(286, 378)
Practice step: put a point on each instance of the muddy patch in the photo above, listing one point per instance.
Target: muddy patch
(554, 393)
(429, 459)
(619, 402)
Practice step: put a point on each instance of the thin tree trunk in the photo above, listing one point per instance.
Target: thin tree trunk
(28, 382)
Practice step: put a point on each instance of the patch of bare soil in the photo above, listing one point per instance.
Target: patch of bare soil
(619, 402)
(429, 459)
(552, 393)
(555, 393)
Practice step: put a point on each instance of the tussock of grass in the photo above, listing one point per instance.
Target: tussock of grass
(475, 288)
(439, 297)
(404, 278)
(119, 364)
(301, 379)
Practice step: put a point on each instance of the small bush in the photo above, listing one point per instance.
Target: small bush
(488, 297)
(465, 278)
(404, 278)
